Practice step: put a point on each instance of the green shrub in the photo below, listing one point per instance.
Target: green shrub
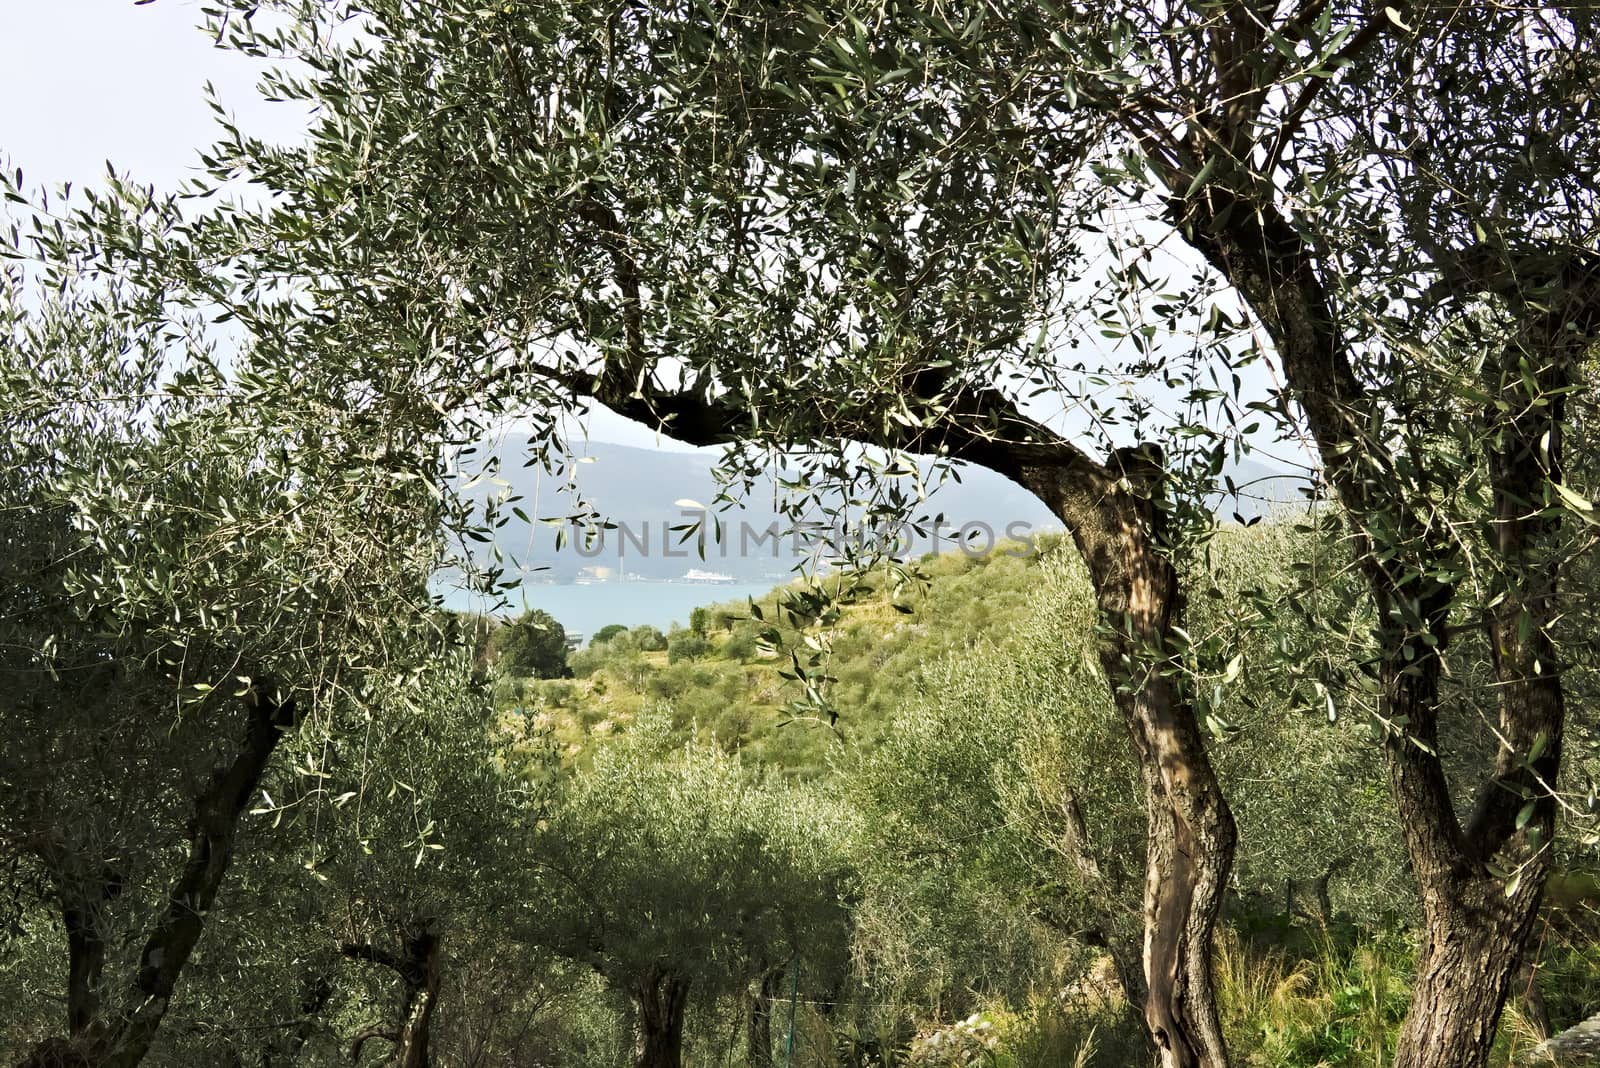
(648, 639)
(687, 645)
(607, 632)
(742, 644)
(534, 646)
(586, 661)
(558, 693)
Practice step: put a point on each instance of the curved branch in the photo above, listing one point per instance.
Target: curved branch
(366, 1036)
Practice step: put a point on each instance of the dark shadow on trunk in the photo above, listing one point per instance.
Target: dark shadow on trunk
(83, 918)
(661, 1001)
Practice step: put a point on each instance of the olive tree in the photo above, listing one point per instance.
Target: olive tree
(791, 228)
(409, 813)
(777, 230)
(204, 554)
(679, 873)
(535, 645)
(1401, 197)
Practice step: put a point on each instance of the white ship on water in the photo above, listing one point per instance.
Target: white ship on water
(709, 578)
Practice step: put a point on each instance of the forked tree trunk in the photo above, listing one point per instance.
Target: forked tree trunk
(417, 966)
(1191, 835)
(1476, 925)
(661, 1000)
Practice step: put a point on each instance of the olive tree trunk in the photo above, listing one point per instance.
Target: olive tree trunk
(121, 1038)
(661, 1000)
(1191, 836)
(418, 967)
(758, 1022)
(1481, 880)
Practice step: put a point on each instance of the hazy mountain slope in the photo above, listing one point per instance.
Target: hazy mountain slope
(639, 490)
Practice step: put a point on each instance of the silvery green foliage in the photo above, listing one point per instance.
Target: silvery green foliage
(657, 857)
(779, 230)
(196, 510)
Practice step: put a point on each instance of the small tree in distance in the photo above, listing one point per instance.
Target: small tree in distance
(534, 646)
(607, 632)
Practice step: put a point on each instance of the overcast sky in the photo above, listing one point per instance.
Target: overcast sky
(84, 81)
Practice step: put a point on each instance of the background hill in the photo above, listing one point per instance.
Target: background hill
(638, 490)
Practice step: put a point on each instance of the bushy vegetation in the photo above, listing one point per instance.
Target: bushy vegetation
(966, 743)
(1314, 788)
(534, 645)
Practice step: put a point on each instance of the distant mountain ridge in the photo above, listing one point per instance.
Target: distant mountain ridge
(639, 490)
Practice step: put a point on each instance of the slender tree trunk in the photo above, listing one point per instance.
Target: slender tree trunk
(84, 900)
(758, 1030)
(661, 1000)
(420, 963)
(1189, 852)
(86, 959)
(1191, 836)
(1110, 931)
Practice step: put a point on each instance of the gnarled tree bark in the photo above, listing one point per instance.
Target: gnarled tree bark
(661, 999)
(1191, 836)
(1477, 917)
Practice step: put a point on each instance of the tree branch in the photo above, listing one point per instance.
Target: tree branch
(123, 1040)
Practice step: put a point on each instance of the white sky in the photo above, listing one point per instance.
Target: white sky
(86, 81)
